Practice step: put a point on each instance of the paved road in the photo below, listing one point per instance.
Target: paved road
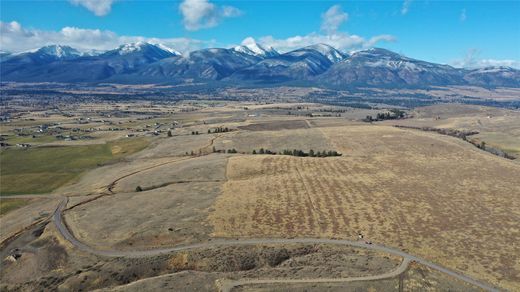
(227, 285)
(65, 232)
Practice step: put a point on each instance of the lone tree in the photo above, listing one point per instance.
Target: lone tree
(170, 133)
(138, 189)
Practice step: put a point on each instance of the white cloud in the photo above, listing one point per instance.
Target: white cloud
(198, 14)
(463, 15)
(379, 38)
(473, 60)
(332, 19)
(15, 38)
(406, 6)
(338, 40)
(98, 7)
(494, 62)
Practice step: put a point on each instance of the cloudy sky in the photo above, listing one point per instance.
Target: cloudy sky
(460, 33)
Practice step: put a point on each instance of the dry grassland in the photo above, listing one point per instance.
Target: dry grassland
(499, 128)
(16, 220)
(172, 212)
(247, 141)
(209, 168)
(149, 219)
(432, 195)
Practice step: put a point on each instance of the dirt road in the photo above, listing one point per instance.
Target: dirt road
(228, 285)
(65, 232)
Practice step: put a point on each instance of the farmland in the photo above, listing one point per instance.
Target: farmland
(43, 169)
(160, 201)
(7, 205)
(419, 204)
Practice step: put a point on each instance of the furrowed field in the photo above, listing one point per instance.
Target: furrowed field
(432, 195)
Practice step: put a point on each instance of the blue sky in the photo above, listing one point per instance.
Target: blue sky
(462, 33)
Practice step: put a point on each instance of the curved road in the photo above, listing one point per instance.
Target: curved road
(65, 232)
(227, 285)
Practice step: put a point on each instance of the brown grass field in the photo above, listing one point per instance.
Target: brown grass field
(499, 128)
(431, 195)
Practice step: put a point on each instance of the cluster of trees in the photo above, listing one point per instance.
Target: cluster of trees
(462, 134)
(393, 114)
(194, 132)
(333, 110)
(299, 153)
(233, 150)
(219, 130)
(263, 151)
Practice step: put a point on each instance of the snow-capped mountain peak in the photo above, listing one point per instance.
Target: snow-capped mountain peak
(251, 47)
(58, 51)
(330, 52)
(168, 49)
(131, 47)
(140, 46)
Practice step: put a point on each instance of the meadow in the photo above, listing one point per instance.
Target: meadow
(39, 170)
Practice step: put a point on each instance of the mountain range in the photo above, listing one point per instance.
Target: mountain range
(319, 65)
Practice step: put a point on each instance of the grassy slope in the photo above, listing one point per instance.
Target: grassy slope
(7, 205)
(43, 169)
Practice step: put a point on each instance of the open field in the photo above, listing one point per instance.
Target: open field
(426, 194)
(247, 141)
(7, 205)
(499, 128)
(43, 169)
(177, 217)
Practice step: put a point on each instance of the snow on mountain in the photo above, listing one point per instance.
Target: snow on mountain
(381, 67)
(57, 51)
(331, 53)
(498, 76)
(92, 53)
(494, 69)
(131, 47)
(141, 46)
(168, 49)
(250, 47)
(250, 62)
